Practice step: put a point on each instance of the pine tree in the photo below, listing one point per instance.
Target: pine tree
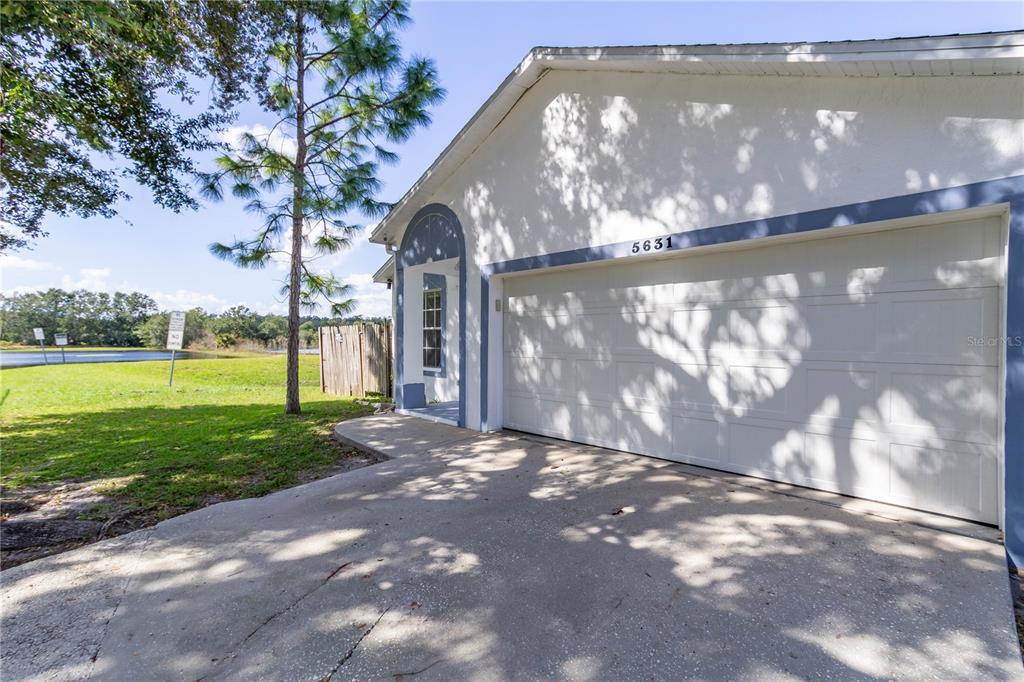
(342, 90)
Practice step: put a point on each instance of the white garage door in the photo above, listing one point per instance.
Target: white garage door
(865, 364)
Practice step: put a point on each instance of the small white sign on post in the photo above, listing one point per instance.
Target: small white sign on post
(176, 330)
(40, 335)
(61, 340)
(175, 337)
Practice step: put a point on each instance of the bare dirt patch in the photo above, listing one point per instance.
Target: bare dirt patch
(50, 519)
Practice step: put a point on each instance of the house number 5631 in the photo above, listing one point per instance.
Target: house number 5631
(656, 244)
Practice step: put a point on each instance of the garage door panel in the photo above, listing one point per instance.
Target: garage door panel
(849, 264)
(844, 460)
(521, 413)
(517, 329)
(543, 334)
(769, 327)
(595, 380)
(832, 363)
(939, 326)
(770, 390)
(644, 431)
(594, 332)
(698, 441)
(548, 417)
(953, 481)
(644, 384)
(700, 386)
(837, 327)
(959, 405)
(629, 330)
(765, 450)
(645, 330)
(694, 331)
(974, 246)
(599, 423)
(842, 394)
(538, 375)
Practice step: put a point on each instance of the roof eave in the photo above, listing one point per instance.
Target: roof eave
(386, 272)
(516, 83)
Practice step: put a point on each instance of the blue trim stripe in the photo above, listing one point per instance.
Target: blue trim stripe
(1013, 438)
(906, 206)
(485, 335)
(1008, 190)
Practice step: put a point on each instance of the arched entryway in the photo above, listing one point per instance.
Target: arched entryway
(430, 318)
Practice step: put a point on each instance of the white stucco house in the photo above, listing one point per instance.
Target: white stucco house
(799, 262)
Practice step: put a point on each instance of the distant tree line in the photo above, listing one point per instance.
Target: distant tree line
(87, 317)
(135, 320)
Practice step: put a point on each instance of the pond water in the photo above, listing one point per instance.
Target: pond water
(17, 358)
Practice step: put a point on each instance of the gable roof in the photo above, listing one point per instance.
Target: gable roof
(979, 54)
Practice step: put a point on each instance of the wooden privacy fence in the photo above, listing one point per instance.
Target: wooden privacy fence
(356, 359)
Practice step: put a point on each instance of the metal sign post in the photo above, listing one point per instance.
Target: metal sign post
(61, 340)
(40, 335)
(175, 336)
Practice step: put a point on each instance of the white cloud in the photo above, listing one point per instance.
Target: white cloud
(95, 279)
(372, 299)
(183, 299)
(274, 307)
(358, 249)
(11, 262)
(99, 279)
(280, 261)
(23, 289)
(333, 262)
(275, 139)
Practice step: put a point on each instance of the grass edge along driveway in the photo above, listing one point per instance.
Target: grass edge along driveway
(151, 451)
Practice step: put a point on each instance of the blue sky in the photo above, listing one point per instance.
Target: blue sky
(474, 45)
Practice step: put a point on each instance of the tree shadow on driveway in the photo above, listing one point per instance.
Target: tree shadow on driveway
(503, 557)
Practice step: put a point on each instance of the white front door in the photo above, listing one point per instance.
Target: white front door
(864, 364)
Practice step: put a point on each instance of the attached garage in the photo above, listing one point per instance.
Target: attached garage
(803, 263)
(856, 364)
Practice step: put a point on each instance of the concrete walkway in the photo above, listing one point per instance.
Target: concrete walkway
(504, 556)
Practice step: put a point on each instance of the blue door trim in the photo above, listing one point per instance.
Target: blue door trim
(1008, 190)
(433, 234)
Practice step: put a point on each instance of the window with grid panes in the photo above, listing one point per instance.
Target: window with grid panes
(432, 322)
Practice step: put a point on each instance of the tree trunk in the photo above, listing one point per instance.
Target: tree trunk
(292, 405)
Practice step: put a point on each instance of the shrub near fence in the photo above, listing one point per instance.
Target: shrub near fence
(355, 360)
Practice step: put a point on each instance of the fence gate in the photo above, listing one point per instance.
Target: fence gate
(356, 359)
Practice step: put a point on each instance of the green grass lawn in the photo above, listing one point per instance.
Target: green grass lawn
(220, 433)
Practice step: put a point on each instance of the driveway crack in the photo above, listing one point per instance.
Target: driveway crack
(399, 677)
(352, 650)
(117, 604)
(266, 621)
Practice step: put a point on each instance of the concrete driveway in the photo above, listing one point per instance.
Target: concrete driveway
(472, 556)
